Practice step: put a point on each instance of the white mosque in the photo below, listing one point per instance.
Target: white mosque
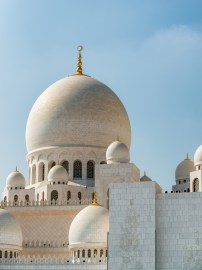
(85, 206)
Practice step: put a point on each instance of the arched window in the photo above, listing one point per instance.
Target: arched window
(89, 253)
(54, 195)
(83, 253)
(65, 164)
(15, 198)
(101, 252)
(15, 254)
(95, 252)
(27, 198)
(0, 254)
(41, 172)
(79, 195)
(43, 196)
(33, 174)
(68, 195)
(11, 254)
(78, 253)
(196, 185)
(5, 199)
(77, 169)
(6, 254)
(51, 164)
(90, 170)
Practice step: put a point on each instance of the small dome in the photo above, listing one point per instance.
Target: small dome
(10, 232)
(117, 152)
(58, 173)
(89, 228)
(145, 178)
(15, 179)
(184, 168)
(198, 156)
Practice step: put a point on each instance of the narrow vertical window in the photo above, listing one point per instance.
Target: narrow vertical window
(68, 195)
(77, 169)
(34, 174)
(41, 172)
(196, 185)
(90, 170)
(79, 196)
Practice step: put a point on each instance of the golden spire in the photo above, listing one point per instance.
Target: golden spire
(95, 199)
(79, 63)
(117, 138)
(187, 156)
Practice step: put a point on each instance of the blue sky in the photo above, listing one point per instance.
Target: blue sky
(148, 52)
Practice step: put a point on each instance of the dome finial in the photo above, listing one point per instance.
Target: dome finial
(94, 202)
(187, 156)
(117, 138)
(145, 173)
(79, 70)
(16, 168)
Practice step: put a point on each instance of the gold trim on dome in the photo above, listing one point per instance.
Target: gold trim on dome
(187, 156)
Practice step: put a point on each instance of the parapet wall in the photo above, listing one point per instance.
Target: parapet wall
(150, 230)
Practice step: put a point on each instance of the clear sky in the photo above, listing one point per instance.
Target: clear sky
(149, 52)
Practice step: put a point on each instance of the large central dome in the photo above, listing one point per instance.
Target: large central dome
(77, 111)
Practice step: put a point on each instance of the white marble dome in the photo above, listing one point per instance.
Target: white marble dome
(15, 180)
(184, 168)
(10, 232)
(77, 111)
(117, 152)
(89, 228)
(198, 156)
(58, 173)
